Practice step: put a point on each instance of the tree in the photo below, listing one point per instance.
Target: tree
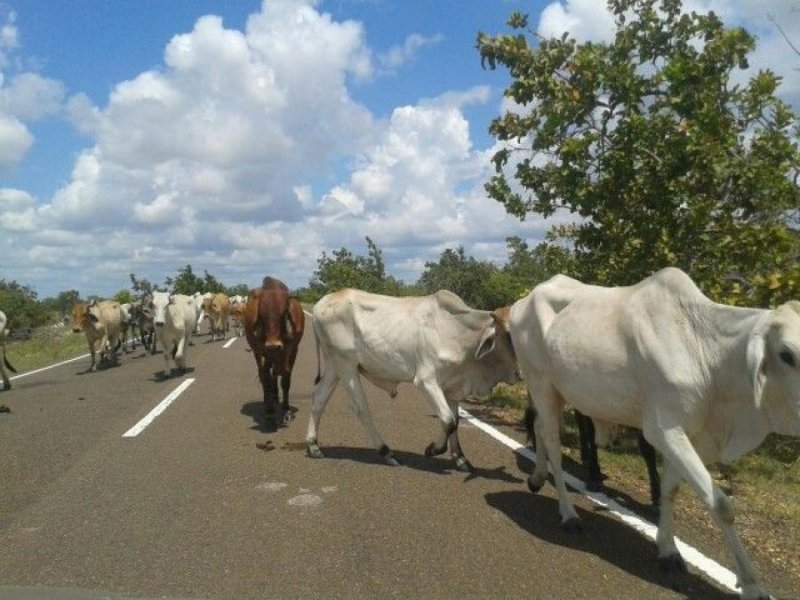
(659, 155)
(62, 304)
(344, 269)
(19, 303)
(526, 268)
(185, 282)
(476, 282)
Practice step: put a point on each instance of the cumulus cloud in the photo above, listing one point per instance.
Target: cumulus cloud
(24, 97)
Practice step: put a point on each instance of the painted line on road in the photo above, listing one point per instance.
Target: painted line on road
(162, 406)
(229, 343)
(47, 368)
(691, 555)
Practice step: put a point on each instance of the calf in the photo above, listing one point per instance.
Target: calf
(273, 324)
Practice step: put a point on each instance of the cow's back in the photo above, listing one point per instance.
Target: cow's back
(612, 346)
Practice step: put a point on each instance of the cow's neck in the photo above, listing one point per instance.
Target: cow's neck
(725, 331)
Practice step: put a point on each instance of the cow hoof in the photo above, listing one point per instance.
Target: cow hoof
(572, 526)
(4, 409)
(535, 486)
(432, 450)
(313, 451)
(388, 457)
(594, 485)
(463, 465)
(673, 563)
(288, 417)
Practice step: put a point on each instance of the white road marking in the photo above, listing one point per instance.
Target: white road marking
(229, 343)
(304, 499)
(47, 368)
(272, 486)
(162, 406)
(691, 555)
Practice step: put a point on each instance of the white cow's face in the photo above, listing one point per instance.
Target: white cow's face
(781, 364)
(158, 307)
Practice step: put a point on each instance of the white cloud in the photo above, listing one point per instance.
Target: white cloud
(24, 97)
(30, 96)
(397, 56)
(589, 20)
(585, 20)
(15, 140)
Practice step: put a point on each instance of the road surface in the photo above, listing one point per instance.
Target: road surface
(190, 507)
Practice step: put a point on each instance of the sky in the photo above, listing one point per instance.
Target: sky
(246, 138)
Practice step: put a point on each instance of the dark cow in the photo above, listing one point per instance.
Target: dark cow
(273, 324)
(588, 449)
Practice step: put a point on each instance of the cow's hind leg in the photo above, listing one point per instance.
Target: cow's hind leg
(588, 447)
(322, 393)
(358, 402)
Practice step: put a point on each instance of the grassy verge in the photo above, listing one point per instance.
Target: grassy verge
(45, 347)
(775, 466)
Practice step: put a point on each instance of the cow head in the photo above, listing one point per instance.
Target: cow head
(158, 307)
(495, 347)
(773, 356)
(79, 316)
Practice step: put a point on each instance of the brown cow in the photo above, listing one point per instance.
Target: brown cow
(101, 322)
(217, 308)
(273, 324)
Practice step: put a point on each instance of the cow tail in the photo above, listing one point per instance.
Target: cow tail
(530, 420)
(316, 340)
(5, 360)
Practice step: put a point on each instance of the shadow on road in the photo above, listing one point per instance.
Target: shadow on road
(604, 537)
(418, 462)
(576, 469)
(255, 410)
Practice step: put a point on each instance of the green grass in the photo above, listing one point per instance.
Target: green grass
(45, 347)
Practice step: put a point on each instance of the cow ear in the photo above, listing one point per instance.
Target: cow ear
(487, 342)
(757, 366)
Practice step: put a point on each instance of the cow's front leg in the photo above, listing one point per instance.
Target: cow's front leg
(448, 417)
(286, 382)
(269, 385)
(180, 357)
(462, 464)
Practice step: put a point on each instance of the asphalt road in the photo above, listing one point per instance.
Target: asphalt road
(192, 508)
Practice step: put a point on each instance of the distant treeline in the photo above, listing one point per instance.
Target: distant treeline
(481, 283)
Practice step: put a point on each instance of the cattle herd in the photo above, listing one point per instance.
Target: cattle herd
(703, 382)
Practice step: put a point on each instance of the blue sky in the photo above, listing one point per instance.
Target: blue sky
(246, 138)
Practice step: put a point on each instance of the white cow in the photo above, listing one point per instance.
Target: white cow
(4, 364)
(174, 319)
(704, 381)
(448, 350)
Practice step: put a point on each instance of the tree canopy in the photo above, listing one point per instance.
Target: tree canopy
(659, 153)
